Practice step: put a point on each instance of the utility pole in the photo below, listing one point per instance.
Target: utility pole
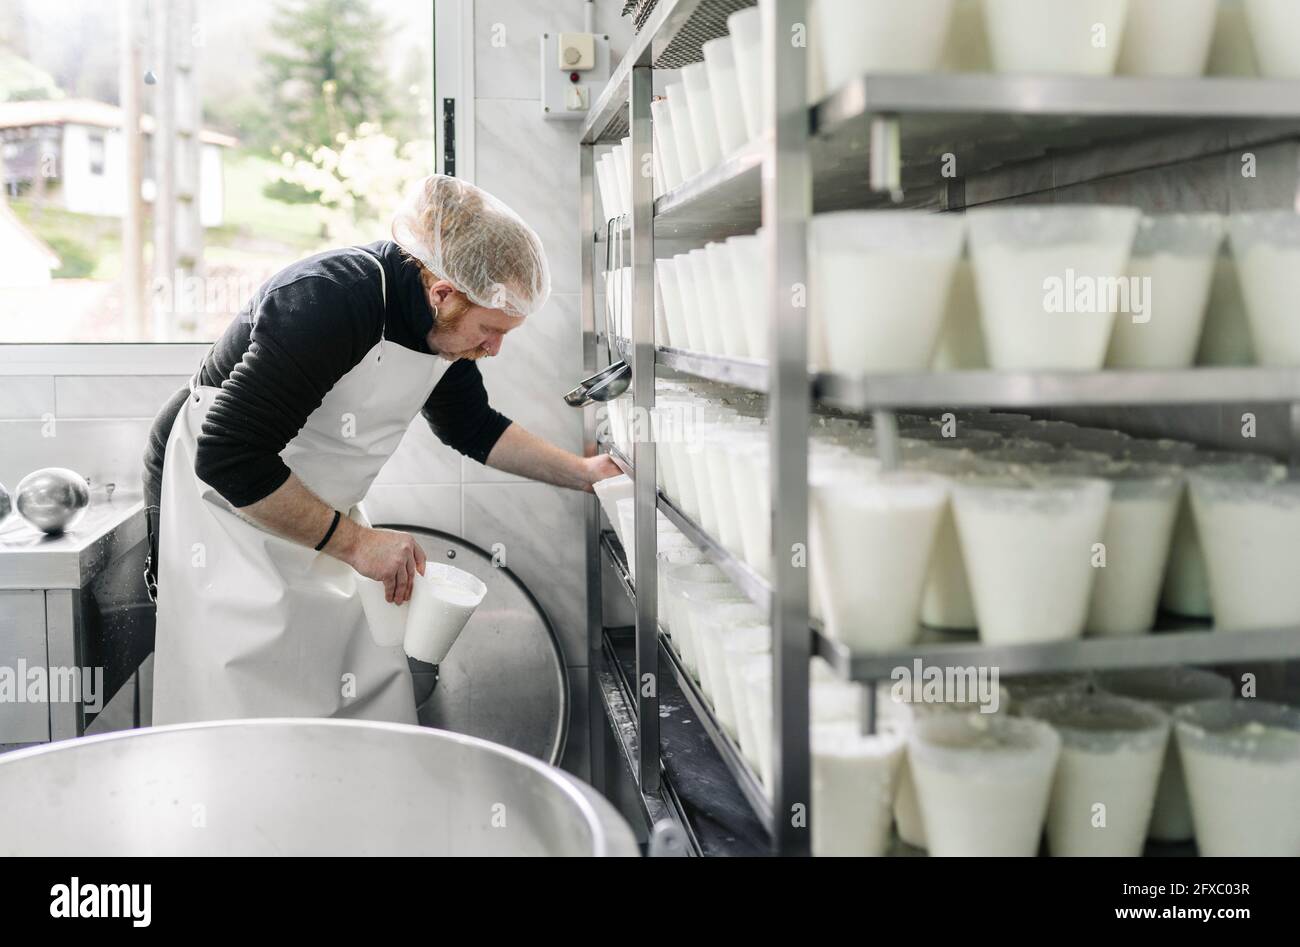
(177, 230)
(135, 325)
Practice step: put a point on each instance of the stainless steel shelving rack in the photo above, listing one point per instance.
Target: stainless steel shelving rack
(862, 146)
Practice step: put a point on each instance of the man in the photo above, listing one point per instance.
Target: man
(254, 470)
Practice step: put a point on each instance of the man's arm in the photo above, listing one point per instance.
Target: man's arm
(460, 415)
(524, 454)
(303, 337)
(295, 513)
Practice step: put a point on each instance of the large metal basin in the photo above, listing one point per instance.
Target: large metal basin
(297, 787)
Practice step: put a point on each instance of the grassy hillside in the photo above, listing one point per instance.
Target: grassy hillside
(255, 229)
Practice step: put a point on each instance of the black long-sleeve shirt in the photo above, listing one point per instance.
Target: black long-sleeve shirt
(304, 329)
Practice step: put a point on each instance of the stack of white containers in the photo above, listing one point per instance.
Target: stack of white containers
(1028, 515)
(996, 523)
(1050, 288)
(714, 110)
(987, 314)
(717, 106)
(712, 299)
(1059, 288)
(614, 180)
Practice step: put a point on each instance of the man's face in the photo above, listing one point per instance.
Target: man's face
(465, 330)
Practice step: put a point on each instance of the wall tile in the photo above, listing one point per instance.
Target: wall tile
(434, 507)
(532, 165)
(26, 396)
(120, 396)
(421, 459)
(541, 528)
(104, 450)
(507, 56)
(539, 362)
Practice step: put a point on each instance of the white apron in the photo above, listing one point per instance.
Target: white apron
(251, 625)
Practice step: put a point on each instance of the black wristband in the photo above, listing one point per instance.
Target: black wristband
(330, 532)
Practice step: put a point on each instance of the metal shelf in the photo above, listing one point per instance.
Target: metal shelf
(742, 372)
(716, 203)
(619, 458)
(618, 559)
(986, 120)
(1090, 105)
(1061, 131)
(735, 761)
(622, 722)
(727, 749)
(672, 37)
(1010, 389)
(754, 586)
(725, 199)
(1158, 648)
(700, 791)
(1053, 389)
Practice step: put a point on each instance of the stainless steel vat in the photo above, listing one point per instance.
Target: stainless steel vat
(297, 787)
(505, 679)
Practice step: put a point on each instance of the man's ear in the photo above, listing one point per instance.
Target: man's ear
(441, 291)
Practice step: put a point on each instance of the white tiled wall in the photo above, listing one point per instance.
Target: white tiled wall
(26, 397)
(96, 425)
(98, 396)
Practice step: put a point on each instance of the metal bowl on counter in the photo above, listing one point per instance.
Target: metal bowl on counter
(297, 787)
(53, 499)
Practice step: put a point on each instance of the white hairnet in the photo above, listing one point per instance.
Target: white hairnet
(467, 237)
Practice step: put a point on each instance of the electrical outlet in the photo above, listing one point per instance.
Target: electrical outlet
(577, 98)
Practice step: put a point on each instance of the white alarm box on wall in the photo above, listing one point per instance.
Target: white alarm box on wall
(575, 67)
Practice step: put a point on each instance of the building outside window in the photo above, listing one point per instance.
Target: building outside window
(250, 133)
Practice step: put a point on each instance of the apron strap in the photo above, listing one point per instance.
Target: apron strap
(383, 295)
(383, 278)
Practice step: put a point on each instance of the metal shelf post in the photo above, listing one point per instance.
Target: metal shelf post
(787, 205)
(595, 612)
(643, 401)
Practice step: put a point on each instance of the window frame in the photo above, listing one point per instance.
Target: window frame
(183, 358)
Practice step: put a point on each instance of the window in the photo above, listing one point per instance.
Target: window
(273, 129)
(95, 153)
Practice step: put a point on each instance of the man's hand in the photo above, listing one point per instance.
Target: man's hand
(598, 468)
(389, 557)
(297, 514)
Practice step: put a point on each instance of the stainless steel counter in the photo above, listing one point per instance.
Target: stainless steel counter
(31, 560)
(73, 603)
